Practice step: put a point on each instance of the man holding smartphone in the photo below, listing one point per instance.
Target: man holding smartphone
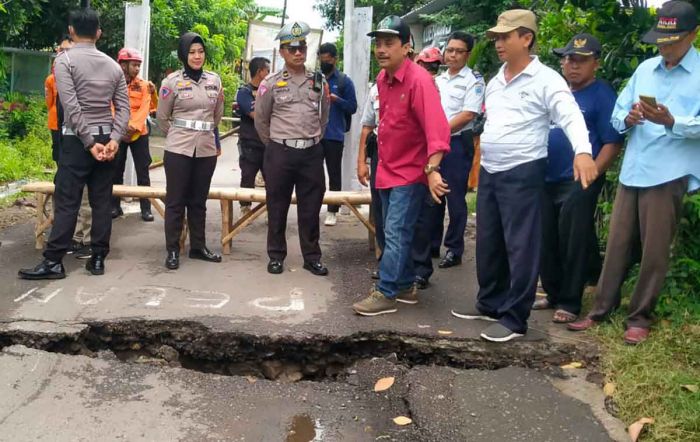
(661, 163)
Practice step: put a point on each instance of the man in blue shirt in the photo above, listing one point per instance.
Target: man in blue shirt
(660, 108)
(251, 150)
(569, 242)
(343, 106)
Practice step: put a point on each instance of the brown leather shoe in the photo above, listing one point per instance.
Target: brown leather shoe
(636, 335)
(583, 324)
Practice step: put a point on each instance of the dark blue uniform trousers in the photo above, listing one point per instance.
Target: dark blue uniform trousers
(508, 239)
(454, 169)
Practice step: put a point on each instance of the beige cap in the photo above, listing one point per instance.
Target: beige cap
(512, 20)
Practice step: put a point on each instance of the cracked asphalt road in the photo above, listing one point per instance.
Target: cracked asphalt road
(58, 397)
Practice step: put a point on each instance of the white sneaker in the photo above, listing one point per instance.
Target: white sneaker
(331, 219)
(259, 180)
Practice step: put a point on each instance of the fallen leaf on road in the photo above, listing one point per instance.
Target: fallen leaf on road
(572, 365)
(691, 388)
(251, 379)
(445, 332)
(402, 420)
(384, 384)
(636, 428)
(609, 389)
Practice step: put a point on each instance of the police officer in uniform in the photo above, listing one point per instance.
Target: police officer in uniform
(251, 149)
(137, 132)
(292, 109)
(190, 107)
(462, 96)
(89, 85)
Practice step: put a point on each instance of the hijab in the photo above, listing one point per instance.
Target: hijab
(183, 50)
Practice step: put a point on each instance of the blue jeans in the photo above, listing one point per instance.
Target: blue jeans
(401, 207)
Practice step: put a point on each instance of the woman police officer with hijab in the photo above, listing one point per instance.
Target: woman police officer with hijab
(190, 108)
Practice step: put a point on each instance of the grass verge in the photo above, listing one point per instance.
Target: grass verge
(649, 379)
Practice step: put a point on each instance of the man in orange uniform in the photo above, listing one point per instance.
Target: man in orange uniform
(51, 95)
(136, 137)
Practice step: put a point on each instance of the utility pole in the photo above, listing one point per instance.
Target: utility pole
(356, 52)
(284, 13)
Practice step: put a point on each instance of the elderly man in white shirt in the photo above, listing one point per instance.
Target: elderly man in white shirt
(462, 97)
(521, 101)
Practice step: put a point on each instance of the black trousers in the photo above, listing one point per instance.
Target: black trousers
(454, 168)
(568, 241)
(77, 168)
(187, 186)
(287, 169)
(333, 153)
(508, 240)
(141, 154)
(250, 160)
(55, 144)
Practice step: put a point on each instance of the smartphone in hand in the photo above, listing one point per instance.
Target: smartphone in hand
(651, 101)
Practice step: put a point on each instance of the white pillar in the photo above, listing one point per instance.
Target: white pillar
(356, 57)
(137, 35)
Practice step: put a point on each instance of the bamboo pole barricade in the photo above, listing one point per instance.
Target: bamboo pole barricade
(226, 196)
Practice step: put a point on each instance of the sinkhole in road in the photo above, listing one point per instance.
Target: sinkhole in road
(292, 357)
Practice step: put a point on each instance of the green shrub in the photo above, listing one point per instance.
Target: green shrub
(25, 141)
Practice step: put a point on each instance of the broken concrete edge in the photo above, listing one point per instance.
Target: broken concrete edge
(201, 342)
(401, 400)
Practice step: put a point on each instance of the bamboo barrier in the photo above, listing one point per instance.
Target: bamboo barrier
(226, 195)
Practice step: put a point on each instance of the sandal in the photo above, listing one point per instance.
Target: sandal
(563, 317)
(542, 304)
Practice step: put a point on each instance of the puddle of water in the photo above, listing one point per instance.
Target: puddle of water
(304, 429)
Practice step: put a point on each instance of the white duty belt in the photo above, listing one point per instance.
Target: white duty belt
(202, 126)
(302, 143)
(93, 130)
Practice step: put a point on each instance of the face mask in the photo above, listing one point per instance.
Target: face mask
(327, 68)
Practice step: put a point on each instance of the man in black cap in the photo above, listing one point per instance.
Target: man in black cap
(659, 107)
(569, 242)
(413, 136)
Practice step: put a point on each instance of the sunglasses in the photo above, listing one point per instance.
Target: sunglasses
(295, 49)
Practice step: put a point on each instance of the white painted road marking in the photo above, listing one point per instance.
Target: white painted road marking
(50, 296)
(84, 297)
(296, 302)
(214, 300)
(157, 295)
(25, 294)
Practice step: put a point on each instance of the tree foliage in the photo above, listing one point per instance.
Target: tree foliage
(334, 10)
(38, 24)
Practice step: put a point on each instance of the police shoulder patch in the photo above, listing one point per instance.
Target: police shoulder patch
(165, 92)
(262, 89)
(477, 75)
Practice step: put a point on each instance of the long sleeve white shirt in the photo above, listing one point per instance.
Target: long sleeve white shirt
(519, 114)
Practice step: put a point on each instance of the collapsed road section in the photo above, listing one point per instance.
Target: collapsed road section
(162, 380)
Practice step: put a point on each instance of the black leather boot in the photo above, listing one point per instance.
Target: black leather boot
(96, 264)
(173, 260)
(204, 254)
(46, 269)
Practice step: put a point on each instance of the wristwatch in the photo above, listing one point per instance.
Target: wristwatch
(430, 168)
